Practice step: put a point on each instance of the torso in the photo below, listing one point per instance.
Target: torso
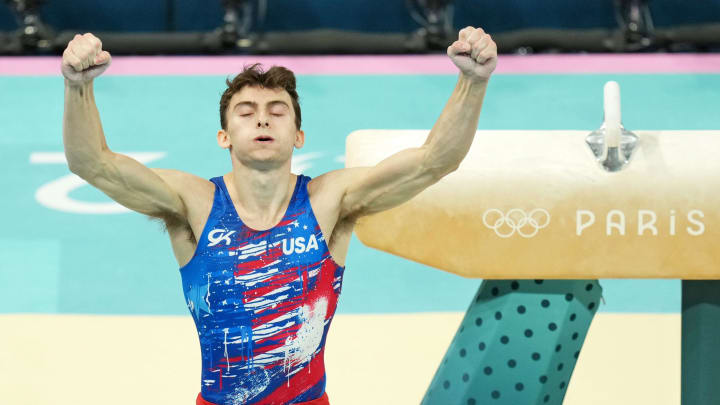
(262, 297)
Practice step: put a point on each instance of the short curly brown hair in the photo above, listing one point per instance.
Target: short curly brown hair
(277, 77)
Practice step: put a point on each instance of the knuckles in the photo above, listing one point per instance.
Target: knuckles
(85, 45)
(83, 50)
(469, 32)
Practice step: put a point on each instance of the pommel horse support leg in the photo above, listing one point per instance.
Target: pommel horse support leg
(559, 205)
(518, 343)
(700, 331)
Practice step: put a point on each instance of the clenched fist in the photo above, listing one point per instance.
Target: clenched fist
(84, 59)
(474, 53)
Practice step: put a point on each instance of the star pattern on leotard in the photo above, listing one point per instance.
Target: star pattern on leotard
(197, 300)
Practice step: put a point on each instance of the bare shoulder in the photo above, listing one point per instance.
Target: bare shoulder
(195, 191)
(197, 196)
(326, 197)
(330, 189)
(335, 182)
(180, 179)
(187, 185)
(327, 192)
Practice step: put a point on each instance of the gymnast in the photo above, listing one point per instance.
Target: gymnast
(262, 250)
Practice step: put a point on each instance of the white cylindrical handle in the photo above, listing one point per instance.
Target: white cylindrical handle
(612, 114)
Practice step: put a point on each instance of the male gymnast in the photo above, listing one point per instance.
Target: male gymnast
(262, 250)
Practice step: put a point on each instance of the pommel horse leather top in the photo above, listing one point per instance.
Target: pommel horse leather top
(537, 204)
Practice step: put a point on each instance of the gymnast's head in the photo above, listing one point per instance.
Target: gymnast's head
(260, 117)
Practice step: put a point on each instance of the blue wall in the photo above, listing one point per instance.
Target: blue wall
(360, 15)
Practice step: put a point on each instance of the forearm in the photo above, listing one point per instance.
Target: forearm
(451, 136)
(82, 131)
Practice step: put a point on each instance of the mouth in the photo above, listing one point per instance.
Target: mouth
(263, 139)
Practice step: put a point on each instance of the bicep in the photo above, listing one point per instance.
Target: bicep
(135, 186)
(388, 184)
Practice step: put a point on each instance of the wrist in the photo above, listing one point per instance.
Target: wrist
(78, 84)
(472, 86)
(474, 80)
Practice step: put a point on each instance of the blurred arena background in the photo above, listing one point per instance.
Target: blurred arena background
(91, 306)
(356, 26)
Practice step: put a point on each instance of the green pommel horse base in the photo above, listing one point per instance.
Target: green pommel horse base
(700, 342)
(518, 343)
(558, 206)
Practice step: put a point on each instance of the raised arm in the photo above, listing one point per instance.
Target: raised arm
(122, 178)
(406, 173)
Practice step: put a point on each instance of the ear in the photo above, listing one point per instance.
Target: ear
(223, 139)
(299, 139)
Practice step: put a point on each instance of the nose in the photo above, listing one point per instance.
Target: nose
(263, 124)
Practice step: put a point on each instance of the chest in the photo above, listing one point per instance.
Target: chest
(297, 240)
(299, 233)
(242, 272)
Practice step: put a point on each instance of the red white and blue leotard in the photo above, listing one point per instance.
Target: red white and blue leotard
(262, 302)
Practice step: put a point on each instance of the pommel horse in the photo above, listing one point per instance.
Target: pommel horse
(540, 216)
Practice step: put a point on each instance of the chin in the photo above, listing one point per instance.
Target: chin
(263, 161)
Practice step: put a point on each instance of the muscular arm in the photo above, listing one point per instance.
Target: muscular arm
(408, 172)
(122, 178)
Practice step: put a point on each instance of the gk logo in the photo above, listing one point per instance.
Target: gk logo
(223, 237)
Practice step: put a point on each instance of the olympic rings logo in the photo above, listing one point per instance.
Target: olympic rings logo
(525, 224)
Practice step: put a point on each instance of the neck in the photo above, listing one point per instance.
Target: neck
(261, 196)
